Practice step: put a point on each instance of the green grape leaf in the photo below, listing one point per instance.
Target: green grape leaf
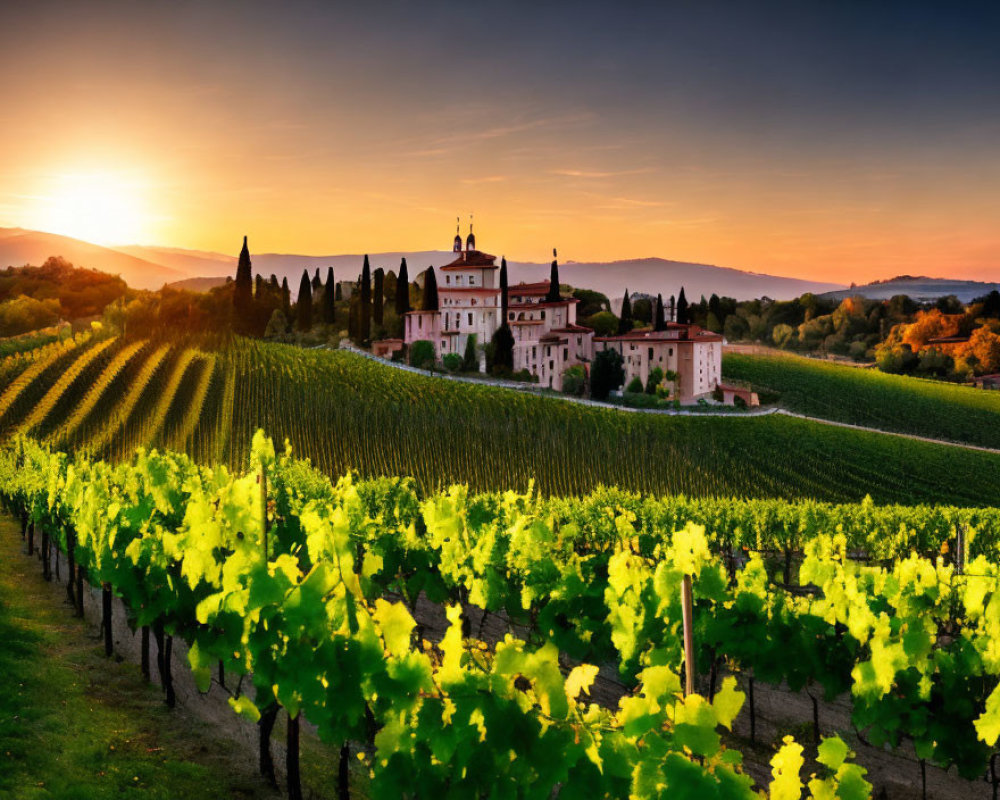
(988, 723)
(727, 702)
(579, 680)
(245, 707)
(831, 752)
(396, 624)
(785, 768)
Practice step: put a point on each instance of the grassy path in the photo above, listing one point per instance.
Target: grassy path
(74, 724)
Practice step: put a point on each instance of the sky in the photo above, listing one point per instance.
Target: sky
(842, 141)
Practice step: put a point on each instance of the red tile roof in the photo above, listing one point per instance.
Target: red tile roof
(472, 258)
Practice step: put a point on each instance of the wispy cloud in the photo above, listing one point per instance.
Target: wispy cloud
(625, 203)
(596, 174)
(486, 179)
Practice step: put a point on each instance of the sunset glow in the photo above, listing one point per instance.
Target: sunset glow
(103, 208)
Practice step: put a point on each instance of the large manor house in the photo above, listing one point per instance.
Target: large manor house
(547, 338)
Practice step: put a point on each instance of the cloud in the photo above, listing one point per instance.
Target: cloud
(486, 179)
(595, 174)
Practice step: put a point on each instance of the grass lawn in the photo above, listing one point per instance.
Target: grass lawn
(74, 724)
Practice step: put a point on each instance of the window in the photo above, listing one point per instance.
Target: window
(447, 279)
(670, 351)
(458, 321)
(420, 323)
(473, 301)
(472, 280)
(565, 354)
(548, 350)
(543, 313)
(470, 317)
(534, 352)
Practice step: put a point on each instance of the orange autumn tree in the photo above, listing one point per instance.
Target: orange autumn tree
(930, 325)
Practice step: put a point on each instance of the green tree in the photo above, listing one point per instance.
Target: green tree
(329, 298)
(625, 318)
(591, 303)
(574, 380)
(659, 318)
(402, 290)
(243, 290)
(378, 296)
(366, 302)
(654, 380)
(470, 361)
(642, 310)
(606, 374)
(504, 303)
(286, 299)
(683, 315)
(303, 303)
(452, 362)
(503, 349)
(422, 353)
(277, 325)
(430, 300)
(604, 323)
(553, 294)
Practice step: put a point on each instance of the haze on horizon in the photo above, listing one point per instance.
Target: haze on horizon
(838, 141)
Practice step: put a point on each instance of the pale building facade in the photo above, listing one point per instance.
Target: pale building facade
(693, 353)
(547, 339)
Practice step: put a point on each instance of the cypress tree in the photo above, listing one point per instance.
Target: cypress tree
(304, 303)
(286, 299)
(339, 294)
(366, 301)
(316, 282)
(258, 287)
(503, 291)
(329, 298)
(659, 320)
(470, 361)
(553, 295)
(378, 296)
(402, 290)
(430, 302)
(243, 291)
(625, 320)
(682, 309)
(503, 349)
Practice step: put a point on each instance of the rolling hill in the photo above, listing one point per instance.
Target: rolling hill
(109, 396)
(649, 275)
(19, 247)
(921, 289)
(150, 267)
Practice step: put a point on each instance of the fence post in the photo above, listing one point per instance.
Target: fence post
(687, 615)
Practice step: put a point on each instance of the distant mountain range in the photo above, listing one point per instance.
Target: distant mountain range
(150, 267)
(919, 288)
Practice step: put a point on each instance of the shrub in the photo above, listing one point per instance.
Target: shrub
(606, 374)
(634, 386)
(452, 362)
(574, 380)
(422, 353)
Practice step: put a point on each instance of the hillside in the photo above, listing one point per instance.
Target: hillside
(872, 398)
(111, 397)
(921, 289)
(19, 247)
(150, 267)
(649, 275)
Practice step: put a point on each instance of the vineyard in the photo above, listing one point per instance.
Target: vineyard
(872, 398)
(344, 413)
(309, 589)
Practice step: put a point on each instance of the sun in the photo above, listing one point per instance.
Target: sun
(100, 207)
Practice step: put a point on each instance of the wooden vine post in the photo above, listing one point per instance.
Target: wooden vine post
(687, 613)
